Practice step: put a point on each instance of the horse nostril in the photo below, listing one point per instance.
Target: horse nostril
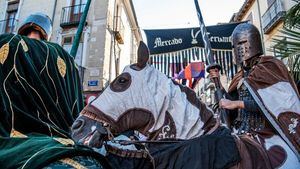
(77, 124)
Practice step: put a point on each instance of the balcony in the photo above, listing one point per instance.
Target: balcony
(70, 16)
(7, 26)
(119, 31)
(272, 16)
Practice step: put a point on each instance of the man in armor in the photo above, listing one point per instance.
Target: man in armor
(37, 26)
(247, 53)
(257, 98)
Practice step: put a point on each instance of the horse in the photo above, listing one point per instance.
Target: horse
(143, 99)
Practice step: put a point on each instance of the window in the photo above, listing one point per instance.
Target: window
(10, 22)
(78, 7)
(67, 42)
(12, 6)
(11, 12)
(70, 15)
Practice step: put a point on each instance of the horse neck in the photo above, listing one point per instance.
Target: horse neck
(185, 108)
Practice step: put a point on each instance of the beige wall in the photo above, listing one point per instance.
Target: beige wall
(3, 5)
(254, 11)
(96, 45)
(263, 7)
(126, 47)
(112, 48)
(56, 20)
(107, 63)
(106, 50)
(268, 38)
(27, 7)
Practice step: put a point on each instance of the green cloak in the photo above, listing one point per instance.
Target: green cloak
(40, 96)
(38, 152)
(40, 88)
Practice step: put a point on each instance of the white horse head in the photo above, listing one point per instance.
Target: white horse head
(144, 99)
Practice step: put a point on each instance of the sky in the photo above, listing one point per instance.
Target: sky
(156, 14)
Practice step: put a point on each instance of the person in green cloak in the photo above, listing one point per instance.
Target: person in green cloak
(40, 86)
(40, 96)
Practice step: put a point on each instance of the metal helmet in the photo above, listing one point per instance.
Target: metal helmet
(39, 22)
(246, 42)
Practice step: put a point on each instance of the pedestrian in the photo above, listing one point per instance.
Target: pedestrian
(263, 87)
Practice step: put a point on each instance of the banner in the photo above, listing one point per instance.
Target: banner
(171, 40)
(174, 62)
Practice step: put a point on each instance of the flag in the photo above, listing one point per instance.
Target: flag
(192, 72)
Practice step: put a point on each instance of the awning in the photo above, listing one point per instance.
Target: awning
(171, 50)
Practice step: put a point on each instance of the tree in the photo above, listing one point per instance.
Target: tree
(287, 45)
(292, 17)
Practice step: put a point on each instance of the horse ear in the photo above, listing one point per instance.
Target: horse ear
(143, 55)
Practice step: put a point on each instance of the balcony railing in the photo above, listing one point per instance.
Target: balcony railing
(272, 16)
(70, 16)
(7, 26)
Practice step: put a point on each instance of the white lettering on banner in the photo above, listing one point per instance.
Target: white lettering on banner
(159, 43)
(194, 36)
(220, 39)
(215, 39)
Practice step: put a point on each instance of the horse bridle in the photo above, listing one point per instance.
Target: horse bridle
(106, 125)
(93, 116)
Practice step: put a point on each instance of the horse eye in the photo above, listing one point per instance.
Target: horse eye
(122, 80)
(121, 83)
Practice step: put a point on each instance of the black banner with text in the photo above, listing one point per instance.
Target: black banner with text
(170, 40)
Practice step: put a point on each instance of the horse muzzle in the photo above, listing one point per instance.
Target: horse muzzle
(88, 132)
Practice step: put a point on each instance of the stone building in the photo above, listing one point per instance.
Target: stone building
(109, 38)
(267, 16)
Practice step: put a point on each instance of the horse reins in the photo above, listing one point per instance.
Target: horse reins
(106, 125)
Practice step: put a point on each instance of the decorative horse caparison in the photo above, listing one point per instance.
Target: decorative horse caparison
(145, 100)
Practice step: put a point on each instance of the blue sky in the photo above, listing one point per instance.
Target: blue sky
(155, 14)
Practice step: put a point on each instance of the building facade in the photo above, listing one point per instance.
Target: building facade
(109, 40)
(267, 16)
